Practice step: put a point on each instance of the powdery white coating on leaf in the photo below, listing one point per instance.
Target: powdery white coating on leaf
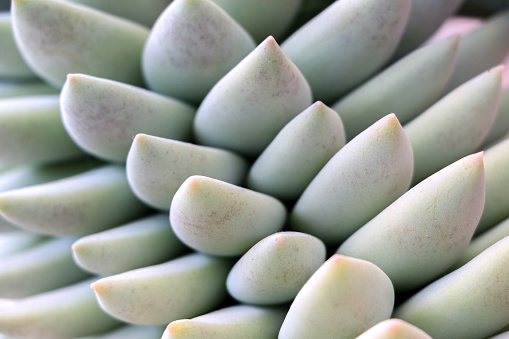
(342, 299)
(239, 321)
(275, 269)
(82, 204)
(192, 45)
(66, 312)
(102, 116)
(218, 218)
(480, 289)
(57, 37)
(406, 88)
(361, 35)
(496, 162)
(422, 233)
(156, 167)
(139, 243)
(185, 287)
(456, 125)
(358, 182)
(246, 109)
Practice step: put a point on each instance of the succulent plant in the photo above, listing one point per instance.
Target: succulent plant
(254, 169)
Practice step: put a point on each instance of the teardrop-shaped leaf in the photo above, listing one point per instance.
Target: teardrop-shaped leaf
(342, 299)
(481, 49)
(102, 115)
(239, 321)
(31, 131)
(246, 109)
(192, 45)
(406, 88)
(140, 243)
(275, 269)
(425, 231)
(66, 312)
(156, 295)
(82, 204)
(297, 153)
(456, 125)
(218, 218)
(346, 43)
(57, 38)
(358, 182)
(394, 329)
(156, 167)
(480, 289)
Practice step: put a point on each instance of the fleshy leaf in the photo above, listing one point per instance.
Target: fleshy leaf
(456, 125)
(102, 116)
(481, 49)
(12, 65)
(480, 289)
(262, 18)
(156, 295)
(358, 182)
(82, 204)
(192, 45)
(406, 88)
(424, 232)
(297, 153)
(57, 38)
(50, 261)
(246, 109)
(496, 163)
(342, 299)
(67, 312)
(346, 43)
(140, 243)
(156, 167)
(31, 131)
(218, 218)
(425, 17)
(394, 329)
(239, 321)
(275, 269)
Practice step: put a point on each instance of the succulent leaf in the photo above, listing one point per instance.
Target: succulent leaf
(218, 218)
(346, 43)
(50, 261)
(496, 208)
(425, 231)
(12, 65)
(156, 167)
(342, 299)
(139, 243)
(66, 312)
(192, 45)
(406, 88)
(480, 289)
(102, 116)
(297, 153)
(82, 204)
(275, 269)
(262, 18)
(51, 35)
(246, 109)
(239, 321)
(156, 295)
(394, 329)
(481, 49)
(456, 125)
(31, 131)
(358, 182)
(425, 17)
